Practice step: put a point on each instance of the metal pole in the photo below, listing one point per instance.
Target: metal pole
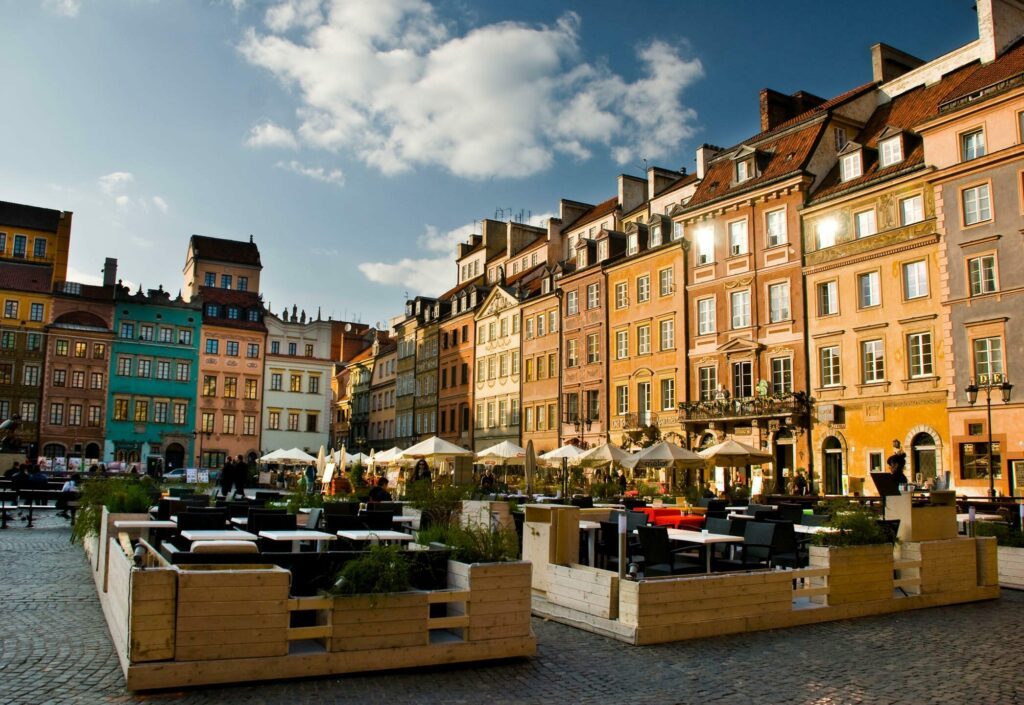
(991, 469)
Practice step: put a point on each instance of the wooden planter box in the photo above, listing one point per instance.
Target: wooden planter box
(363, 622)
(855, 573)
(948, 565)
(498, 606)
(1011, 567)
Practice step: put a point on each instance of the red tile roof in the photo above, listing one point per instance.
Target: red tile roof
(599, 211)
(16, 276)
(459, 287)
(1009, 65)
(29, 217)
(223, 250)
(245, 300)
(362, 356)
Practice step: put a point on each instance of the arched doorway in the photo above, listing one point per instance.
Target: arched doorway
(92, 451)
(53, 450)
(922, 449)
(833, 451)
(784, 459)
(174, 456)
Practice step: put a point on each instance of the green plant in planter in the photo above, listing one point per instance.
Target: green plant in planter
(1005, 535)
(604, 490)
(434, 533)
(476, 544)
(855, 525)
(693, 495)
(438, 504)
(739, 493)
(118, 495)
(382, 570)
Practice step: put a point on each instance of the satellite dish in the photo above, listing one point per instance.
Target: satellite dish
(348, 327)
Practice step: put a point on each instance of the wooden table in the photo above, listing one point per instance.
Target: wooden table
(704, 539)
(591, 527)
(146, 525)
(217, 535)
(374, 537)
(297, 536)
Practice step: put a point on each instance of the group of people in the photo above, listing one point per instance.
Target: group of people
(234, 474)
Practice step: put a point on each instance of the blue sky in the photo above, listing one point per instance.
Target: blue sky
(358, 141)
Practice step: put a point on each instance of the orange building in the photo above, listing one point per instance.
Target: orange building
(541, 367)
(456, 361)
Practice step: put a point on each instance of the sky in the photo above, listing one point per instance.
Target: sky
(358, 141)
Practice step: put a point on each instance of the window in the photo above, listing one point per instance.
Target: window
(668, 394)
(621, 344)
(225, 281)
(293, 421)
(976, 204)
(920, 347)
(775, 224)
(212, 310)
(143, 368)
(982, 274)
(183, 371)
(36, 312)
(230, 387)
(159, 412)
(705, 245)
(825, 233)
(78, 379)
(740, 302)
(890, 151)
(60, 378)
(872, 360)
(141, 414)
(593, 352)
(622, 399)
(503, 365)
(667, 334)
(988, 358)
(228, 423)
(243, 283)
(744, 169)
(231, 349)
(572, 305)
(124, 366)
(10, 309)
(274, 420)
(28, 410)
(163, 369)
(593, 404)
(705, 316)
(864, 223)
(677, 231)
(145, 332)
(643, 289)
(212, 346)
(742, 379)
(234, 313)
(974, 460)
(253, 315)
(248, 421)
(295, 383)
(778, 302)
(74, 414)
(593, 295)
(96, 380)
(20, 242)
(94, 416)
(56, 414)
(34, 342)
(209, 385)
(915, 280)
(868, 290)
(782, 375)
(666, 282)
(210, 279)
(632, 244)
(252, 350)
(972, 145)
(839, 134)
(542, 324)
(621, 295)
(655, 235)
(850, 166)
(314, 384)
(61, 348)
(7, 340)
(737, 238)
(571, 353)
(829, 361)
(184, 337)
(81, 349)
(6, 373)
(911, 210)
(643, 340)
(828, 298)
(708, 382)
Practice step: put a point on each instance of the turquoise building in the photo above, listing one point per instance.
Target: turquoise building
(154, 363)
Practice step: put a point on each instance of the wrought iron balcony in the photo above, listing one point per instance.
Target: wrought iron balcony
(771, 405)
(629, 422)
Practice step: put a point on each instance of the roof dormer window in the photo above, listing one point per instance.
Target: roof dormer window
(655, 234)
(632, 244)
(744, 169)
(581, 257)
(851, 166)
(602, 251)
(890, 151)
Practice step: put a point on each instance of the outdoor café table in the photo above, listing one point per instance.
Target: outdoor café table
(801, 529)
(591, 528)
(240, 521)
(738, 515)
(374, 537)
(296, 536)
(217, 535)
(145, 525)
(706, 540)
(962, 520)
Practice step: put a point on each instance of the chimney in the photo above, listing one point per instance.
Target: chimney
(632, 192)
(777, 108)
(705, 153)
(110, 271)
(1000, 24)
(888, 63)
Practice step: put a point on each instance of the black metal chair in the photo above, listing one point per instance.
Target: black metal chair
(202, 521)
(787, 551)
(341, 508)
(272, 522)
(376, 521)
(756, 551)
(659, 558)
(791, 512)
(608, 545)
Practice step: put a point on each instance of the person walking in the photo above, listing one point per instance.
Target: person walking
(227, 476)
(310, 479)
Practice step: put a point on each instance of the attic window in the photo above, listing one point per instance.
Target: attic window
(632, 244)
(850, 166)
(602, 251)
(581, 257)
(655, 234)
(744, 169)
(890, 151)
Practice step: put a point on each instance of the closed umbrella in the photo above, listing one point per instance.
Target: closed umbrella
(530, 467)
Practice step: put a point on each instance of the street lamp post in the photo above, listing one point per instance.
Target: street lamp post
(988, 383)
(199, 435)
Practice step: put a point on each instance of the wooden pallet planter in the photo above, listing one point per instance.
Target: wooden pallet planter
(589, 590)
(499, 599)
(855, 573)
(361, 622)
(947, 565)
(1011, 567)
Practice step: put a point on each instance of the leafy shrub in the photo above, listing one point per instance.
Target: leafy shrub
(438, 504)
(475, 544)
(604, 490)
(118, 495)
(382, 570)
(856, 525)
(1005, 535)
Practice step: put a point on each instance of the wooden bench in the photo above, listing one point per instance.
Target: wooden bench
(62, 501)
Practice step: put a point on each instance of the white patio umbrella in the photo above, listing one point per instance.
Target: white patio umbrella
(604, 453)
(733, 454)
(567, 451)
(357, 459)
(664, 452)
(435, 447)
(505, 451)
(388, 456)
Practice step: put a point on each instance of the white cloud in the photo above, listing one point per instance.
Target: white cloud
(160, 203)
(122, 201)
(63, 8)
(115, 181)
(267, 134)
(317, 173)
(386, 82)
(429, 276)
(75, 275)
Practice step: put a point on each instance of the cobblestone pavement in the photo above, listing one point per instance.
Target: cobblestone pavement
(54, 648)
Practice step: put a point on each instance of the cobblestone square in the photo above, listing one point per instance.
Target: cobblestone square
(55, 649)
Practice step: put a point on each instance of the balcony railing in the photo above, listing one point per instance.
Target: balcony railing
(627, 422)
(794, 404)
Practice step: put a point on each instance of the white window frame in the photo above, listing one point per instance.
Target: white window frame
(872, 361)
(916, 286)
(981, 275)
(778, 302)
(621, 344)
(976, 204)
(775, 227)
(851, 166)
(972, 145)
(912, 216)
(830, 366)
(872, 295)
(739, 309)
(890, 151)
(865, 226)
(739, 241)
(920, 355)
